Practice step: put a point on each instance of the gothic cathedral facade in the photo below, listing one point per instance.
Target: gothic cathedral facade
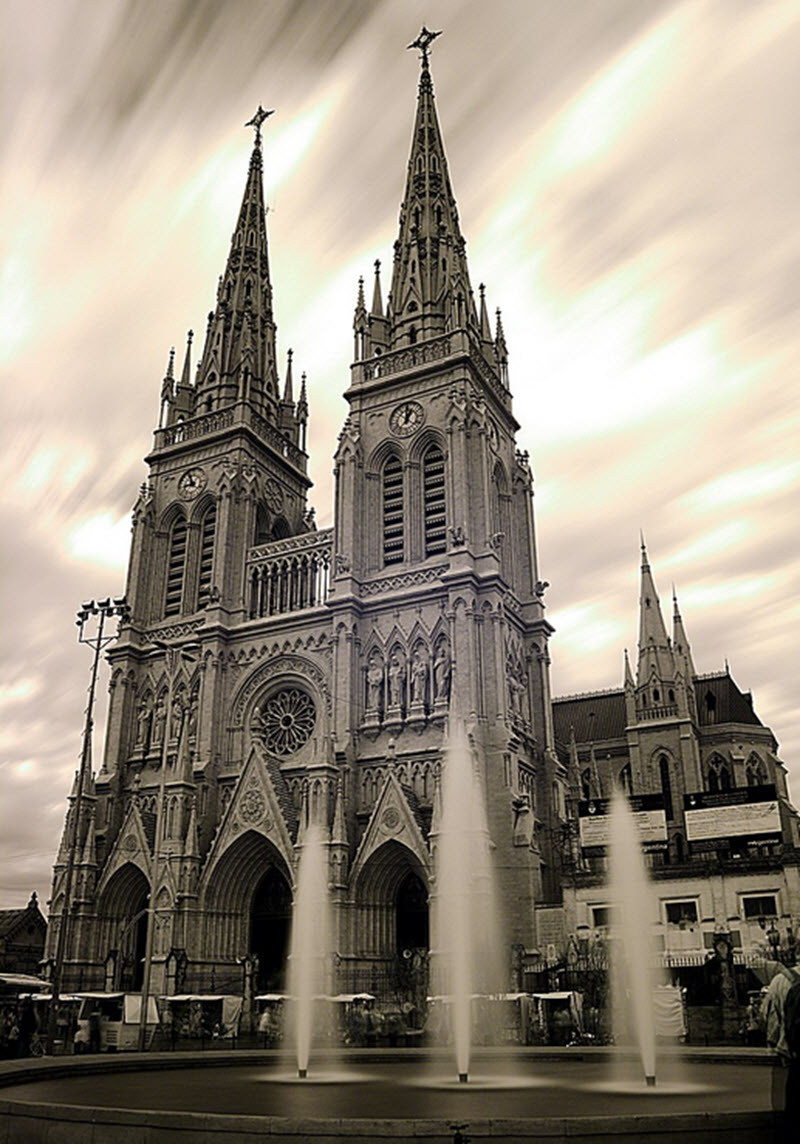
(273, 675)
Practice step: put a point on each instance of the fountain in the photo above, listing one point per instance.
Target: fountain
(465, 916)
(310, 945)
(632, 975)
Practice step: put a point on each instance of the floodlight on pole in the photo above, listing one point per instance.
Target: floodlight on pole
(97, 640)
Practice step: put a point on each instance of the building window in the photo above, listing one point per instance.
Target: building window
(719, 775)
(262, 535)
(176, 563)
(666, 786)
(434, 494)
(682, 927)
(626, 779)
(759, 906)
(207, 533)
(586, 785)
(756, 775)
(604, 917)
(393, 531)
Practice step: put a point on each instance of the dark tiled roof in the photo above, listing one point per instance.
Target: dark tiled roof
(730, 705)
(11, 920)
(282, 792)
(596, 716)
(422, 819)
(148, 818)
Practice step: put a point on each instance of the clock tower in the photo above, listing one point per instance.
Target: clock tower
(436, 588)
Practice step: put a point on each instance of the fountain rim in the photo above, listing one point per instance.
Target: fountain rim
(205, 1124)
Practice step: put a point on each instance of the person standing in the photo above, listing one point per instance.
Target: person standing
(786, 1070)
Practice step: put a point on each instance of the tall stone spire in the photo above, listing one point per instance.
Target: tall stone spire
(431, 291)
(238, 359)
(656, 664)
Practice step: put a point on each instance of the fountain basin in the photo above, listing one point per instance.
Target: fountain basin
(161, 1097)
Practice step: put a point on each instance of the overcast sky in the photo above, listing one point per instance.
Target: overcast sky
(628, 181)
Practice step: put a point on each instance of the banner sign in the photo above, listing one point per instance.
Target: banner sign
(743, 813)
(594, 818)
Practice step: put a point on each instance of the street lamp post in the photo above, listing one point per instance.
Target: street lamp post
(173, 657)
(98, 641)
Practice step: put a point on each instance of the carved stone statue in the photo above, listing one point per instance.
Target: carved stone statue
(396, 681)
(177, 717)
(159, 716)
(419, 679)
(441, 672)
(143, 719)
(374, 684)
(192, 728)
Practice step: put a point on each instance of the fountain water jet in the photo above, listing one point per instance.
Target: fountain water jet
(465, 915)
(310, 944)
(632, 975)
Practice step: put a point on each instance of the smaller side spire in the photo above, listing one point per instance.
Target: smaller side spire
(339, 829)
(167, 388)
(377, 299)
(628, 673)
(680, 641)
(486, 332)
(288, 391)
(191, 845)
(186, 373)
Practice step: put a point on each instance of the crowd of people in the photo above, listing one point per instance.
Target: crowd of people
(19, 1030)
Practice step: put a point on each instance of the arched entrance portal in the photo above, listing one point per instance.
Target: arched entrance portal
(123, 928)
(269, 929)
(411, 914)
(247, 908)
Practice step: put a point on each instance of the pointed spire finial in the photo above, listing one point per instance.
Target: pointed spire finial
(257, 120)
(186, 372)
(288, 391)
(377, 300)
(423, 42)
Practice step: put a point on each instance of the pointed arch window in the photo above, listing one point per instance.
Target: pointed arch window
(262, 534)
(666, 785)
(176, 566)
(393, 526)
(434, 497)
(208, 531)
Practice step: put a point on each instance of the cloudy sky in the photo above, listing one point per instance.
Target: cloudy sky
(628, 181)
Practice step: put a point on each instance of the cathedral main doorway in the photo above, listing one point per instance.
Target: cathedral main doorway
(411, 915)
(270, 922)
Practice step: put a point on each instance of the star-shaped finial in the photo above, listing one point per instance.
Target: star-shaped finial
(424, 41)
(257, 120)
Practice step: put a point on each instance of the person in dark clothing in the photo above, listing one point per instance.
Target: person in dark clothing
(94, 1031)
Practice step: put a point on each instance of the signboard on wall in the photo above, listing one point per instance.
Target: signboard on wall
(594, 820)
(742, 814)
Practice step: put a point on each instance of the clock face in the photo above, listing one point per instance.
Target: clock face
(192, 483)
(406, 418)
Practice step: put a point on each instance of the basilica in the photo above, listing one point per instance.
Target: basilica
(271, 675)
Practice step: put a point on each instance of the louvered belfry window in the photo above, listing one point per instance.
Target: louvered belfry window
(175, 568)
(207, 534)
(433, 488)
(393, 531)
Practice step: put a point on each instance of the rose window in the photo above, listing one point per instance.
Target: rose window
(288, 718)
